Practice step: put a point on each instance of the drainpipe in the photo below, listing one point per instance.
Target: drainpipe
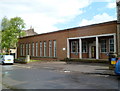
(118, 26)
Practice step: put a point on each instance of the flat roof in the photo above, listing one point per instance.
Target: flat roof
(114, 21)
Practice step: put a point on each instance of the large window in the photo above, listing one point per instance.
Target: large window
(23, 46)
(111, 44)
(74, 46)
(26, 49)
(21, 50)
(32, 49)
(103, 46)
(29, 50)
(84, 46)
(36, 49)
(55, 49)
(50, 48)
(40, 49)
(45, 49)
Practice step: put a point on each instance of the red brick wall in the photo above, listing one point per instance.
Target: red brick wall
(61, 37)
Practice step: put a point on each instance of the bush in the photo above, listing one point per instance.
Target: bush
(68, 60)
(2, 53)
(20, 60)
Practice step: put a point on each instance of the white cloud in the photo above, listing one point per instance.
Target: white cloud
(111, 5)
(43, 14)
(97, 19)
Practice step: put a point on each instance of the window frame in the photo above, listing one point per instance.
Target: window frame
(102, 47)
(111, 44)
(50, 48)
(33, 49)
(41, 48)
(36, 49)
(86, 46)
(72, 46)
(45, 49)
(55, 48)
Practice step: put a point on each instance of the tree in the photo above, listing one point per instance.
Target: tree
(11, 30)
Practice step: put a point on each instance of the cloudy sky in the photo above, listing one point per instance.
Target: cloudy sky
(51, 15)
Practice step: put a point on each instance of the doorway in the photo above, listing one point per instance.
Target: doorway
(93, 51)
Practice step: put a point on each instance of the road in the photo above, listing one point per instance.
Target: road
(48, 77)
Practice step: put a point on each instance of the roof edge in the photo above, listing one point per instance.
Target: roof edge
(114, 21)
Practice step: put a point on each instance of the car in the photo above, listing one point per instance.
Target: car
(6, 59)
(117, 67)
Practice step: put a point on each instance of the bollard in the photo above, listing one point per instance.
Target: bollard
(27, 58)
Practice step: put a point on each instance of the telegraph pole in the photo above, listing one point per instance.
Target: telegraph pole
(118, 26)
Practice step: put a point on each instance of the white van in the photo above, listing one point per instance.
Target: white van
(6, 59)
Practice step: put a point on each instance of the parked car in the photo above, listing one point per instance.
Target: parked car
(6, 59)
(117, 67)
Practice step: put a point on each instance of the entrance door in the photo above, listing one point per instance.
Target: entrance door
(93, 52)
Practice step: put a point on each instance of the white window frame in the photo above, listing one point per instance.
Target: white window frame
(50, 48)
(21, 50)
(111, 44)
(86, 45)
(72, 46)
(101, 46)
(45, 49)
(33, 49)
(55, 48)
(36, 48)
(29, 49)
(26, 49)
(40, 49)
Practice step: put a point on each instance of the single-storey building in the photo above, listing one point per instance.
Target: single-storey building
(86, 42)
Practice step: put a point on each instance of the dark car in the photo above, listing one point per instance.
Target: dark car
(117, 67)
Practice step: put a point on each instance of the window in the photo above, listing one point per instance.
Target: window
(111, 44)
(32, 49)
(50, 48)
(21, 50)
(84, 47)
(103, 46)
(40, 49)
(26, 49)
(45, 49)
(55, 49)
(36, 49)
(74, 46)
(29, 50)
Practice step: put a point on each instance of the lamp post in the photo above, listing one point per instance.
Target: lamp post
(118, 26)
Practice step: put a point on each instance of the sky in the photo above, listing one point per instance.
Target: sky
(52, 15)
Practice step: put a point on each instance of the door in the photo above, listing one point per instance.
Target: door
(93, 52)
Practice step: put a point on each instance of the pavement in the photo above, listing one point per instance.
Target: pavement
(86, 68)
(57, 75)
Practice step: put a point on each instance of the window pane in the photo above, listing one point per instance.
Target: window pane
(103, 46)
(74, 46)
(41, 49)
(111, 45)
(55, 49)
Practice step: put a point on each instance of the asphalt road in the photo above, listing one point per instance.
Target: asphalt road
(27, 77)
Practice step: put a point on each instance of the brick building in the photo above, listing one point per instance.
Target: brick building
(91, 42)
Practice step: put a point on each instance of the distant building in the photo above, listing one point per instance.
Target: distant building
(30, 32)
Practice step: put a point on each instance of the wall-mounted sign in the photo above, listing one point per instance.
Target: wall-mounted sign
(64, 49)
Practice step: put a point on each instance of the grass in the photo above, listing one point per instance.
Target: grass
(34, 61)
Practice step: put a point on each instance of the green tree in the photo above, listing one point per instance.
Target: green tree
(11, 30)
